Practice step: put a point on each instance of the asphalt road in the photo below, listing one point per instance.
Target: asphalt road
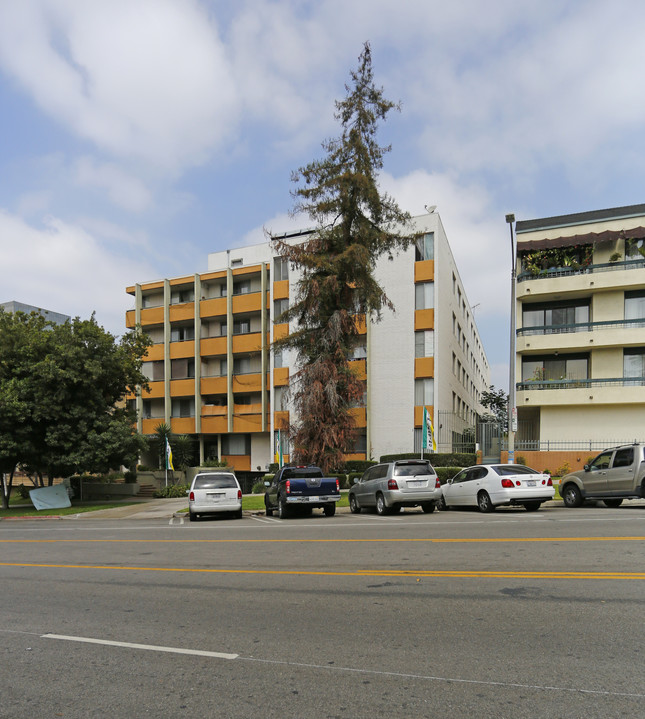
(452, 614)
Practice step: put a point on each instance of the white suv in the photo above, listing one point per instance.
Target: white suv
(214, 493)
(392, 485)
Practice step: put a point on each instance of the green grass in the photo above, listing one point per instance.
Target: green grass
(255, 502)
(28, 510)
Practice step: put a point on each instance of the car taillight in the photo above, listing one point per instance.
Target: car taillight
(518, 483)
(507, 483)
(391, 484)
(191, 497)
(239, 494)
(549, 483)
(337, 485)
(437, 484)
(288, 486)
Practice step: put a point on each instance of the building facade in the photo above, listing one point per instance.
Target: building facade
(580, 345)
(214, 376)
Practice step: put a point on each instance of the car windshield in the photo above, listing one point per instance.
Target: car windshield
(222, 481)
(506, 469)
(412, 470)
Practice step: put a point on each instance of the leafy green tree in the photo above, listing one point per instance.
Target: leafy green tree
(355, 225)
(62, 396)
(496, 401)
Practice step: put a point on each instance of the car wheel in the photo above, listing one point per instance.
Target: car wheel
(441, 504)
(267, 510)
(238, 514)
(428, 507)
(532, 506)
(329, 510)
(381, 507)
(613, 503)
(572, 496)
(353, 505)
(484, 503)
(283, 509)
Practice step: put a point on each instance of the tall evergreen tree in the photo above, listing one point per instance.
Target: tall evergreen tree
(355, 224)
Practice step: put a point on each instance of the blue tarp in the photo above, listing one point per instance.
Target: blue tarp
(50, 497)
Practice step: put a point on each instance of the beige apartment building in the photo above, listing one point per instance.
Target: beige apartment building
(580, 345)
(213, 374)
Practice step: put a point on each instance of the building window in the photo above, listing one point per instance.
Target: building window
(182, 369)
(634, 305)
(360, 443)
(183, 407)
(183, 295)
(236, 444)
(424, 247)
(280, 399)
(147, 409)
(241, 327)
(550, 368)
(424, 344)
(358, 353)
(556, 317)
(279, 306)
(182, 334)
(223, 367)
(634, 363)
(278, 360)
(280, 269)
(424, 391)
(635, 249)
(424, 296)
(242, 365)
(242, 288)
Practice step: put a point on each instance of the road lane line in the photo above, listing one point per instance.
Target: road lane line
(359, 573)
(148, 647)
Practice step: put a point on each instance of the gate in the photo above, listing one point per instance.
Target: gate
(489, 438)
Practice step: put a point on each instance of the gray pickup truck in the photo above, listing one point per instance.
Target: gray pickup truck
(615, 474)
(305, 487)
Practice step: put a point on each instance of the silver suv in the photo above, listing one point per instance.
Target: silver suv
(392, 485)
(615, 474)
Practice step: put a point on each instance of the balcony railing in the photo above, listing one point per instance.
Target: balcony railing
(589, 269)
(580, 327)
(580, 383)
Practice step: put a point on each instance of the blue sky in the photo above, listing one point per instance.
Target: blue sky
(137, 136)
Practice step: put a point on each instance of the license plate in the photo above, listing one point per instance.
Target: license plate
(530, 483)
(416, 483)
(314, 499)
(215, 497)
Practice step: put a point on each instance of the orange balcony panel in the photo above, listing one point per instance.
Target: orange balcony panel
(182, 312)
(359, 367)
(183, 425)
(281, 376)
(155, 353)
(281, 290)
(418, 414)
(214, 425)
(281, 420)
(188, 280)
(361, 327)
(217, 275)
(247, 343)
(360, 416)
(152, 316)
(424, 271)
(354, 456)
(247, 383)
(179, 350)
(212, 308)
(424, 319)
(212, 346)
(182, 387)
(247, 303)
(148, 425)
(239, 462)
(280, 331)
(239, 409)
(156, 390)
(129, 319)
(213, 385)
(248, 423)
(214, 410)
(424, 367)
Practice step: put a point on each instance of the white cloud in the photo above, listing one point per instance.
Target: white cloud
(143, 78)
(123, 189)
(63, 268)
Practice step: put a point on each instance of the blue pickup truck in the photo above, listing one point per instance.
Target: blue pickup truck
(304, 487)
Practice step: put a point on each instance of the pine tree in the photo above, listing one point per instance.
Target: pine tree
(355, 224)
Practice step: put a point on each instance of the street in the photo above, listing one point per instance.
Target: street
(455, 614)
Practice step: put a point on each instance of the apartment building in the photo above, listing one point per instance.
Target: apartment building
(580, 346)
(213, 374)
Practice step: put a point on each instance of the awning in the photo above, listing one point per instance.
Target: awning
(586, 239)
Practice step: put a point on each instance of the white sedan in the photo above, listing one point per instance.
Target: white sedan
(492, 485)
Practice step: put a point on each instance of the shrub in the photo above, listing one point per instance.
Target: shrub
(352, 476)
(451, 459)
(565, 469)
(258, 487)
(520, 459)
(145, 468)
(23, 491)
(130, 476)
(446, 473)
(175, 491)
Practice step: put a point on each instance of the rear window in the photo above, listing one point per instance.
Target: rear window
(412, 469)
(295, 472)
(215, 481)
(506, 469)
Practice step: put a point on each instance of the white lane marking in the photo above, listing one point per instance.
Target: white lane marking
(266, 520)
(148, 647)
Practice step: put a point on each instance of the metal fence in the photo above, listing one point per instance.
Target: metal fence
(573, 445)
